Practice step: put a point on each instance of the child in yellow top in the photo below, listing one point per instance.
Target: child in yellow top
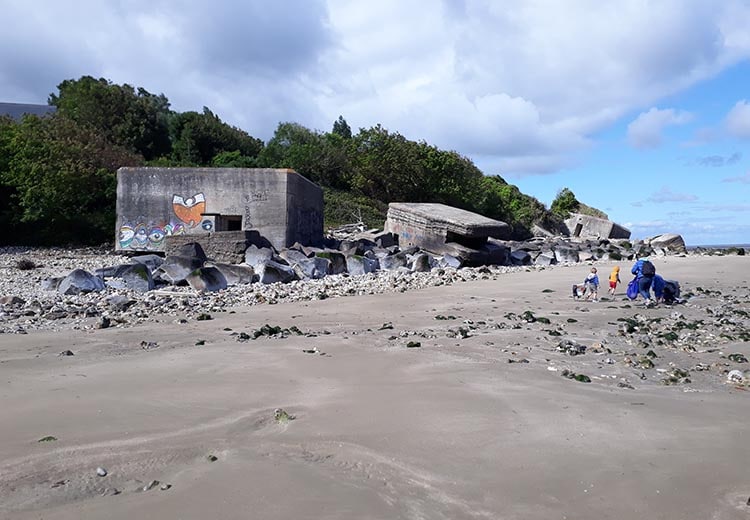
(614, 279)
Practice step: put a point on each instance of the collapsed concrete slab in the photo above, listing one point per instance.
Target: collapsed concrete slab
(444, 229)
(586, 226)
(153, 203)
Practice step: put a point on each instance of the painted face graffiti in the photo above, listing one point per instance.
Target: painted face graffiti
(126, 235)
(156, 235)
(141, 235)
(147, 235)
(189, 210)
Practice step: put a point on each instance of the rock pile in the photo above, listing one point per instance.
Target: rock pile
(116, 290)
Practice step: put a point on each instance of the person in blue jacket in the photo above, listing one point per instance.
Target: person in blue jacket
(592, 286)
(644, 272)
(657, 284)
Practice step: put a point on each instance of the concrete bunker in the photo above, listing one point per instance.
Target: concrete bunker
(444, 229)
(586, 226)
(156, 203)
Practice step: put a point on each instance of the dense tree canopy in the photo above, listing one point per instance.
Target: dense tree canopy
(57, 174)
(59, 179)
(199, 137)
(134, 119)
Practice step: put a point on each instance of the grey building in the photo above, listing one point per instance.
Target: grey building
(586, 226)
(154, 203)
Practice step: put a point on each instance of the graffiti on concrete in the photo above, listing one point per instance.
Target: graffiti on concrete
(189, 210)
(141, 234)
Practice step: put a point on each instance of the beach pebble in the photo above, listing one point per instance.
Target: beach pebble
(151, 485)
(735, 376)
(101, 472)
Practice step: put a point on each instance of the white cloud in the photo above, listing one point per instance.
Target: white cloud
(742, 179)
(738, 120)
(717, 161)
(665, 194)
(646, 130)
(523, 86)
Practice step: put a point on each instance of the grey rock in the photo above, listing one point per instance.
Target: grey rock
(520, 257)
(151, 261)
(111, 271)
(103, 323)
(256, 256)
(421, 263)
(358, 265)
(736, 377)
(565, 255)
(337, 259)
(273, 272)
(80, 282)
(312, 268)
(137, 277)
(120, 302)
(494, 252)
(545, 258)
(51, 284)
(393, 262)
(151, 485)
(12, 301)
(102, 472)
(193, 249)
(176, 269)
(450, 261)
(236, 274)
(292, 256)
(116, 283)
(207, 279)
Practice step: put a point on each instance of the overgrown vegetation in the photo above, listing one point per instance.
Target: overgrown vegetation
(58, 183)
(566, 203)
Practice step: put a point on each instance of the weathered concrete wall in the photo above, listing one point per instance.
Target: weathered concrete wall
(586, 226)
(304, 210)
(226, 246)
(153, 203)
(432, 226)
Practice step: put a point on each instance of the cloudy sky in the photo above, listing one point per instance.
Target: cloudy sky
(641, 107)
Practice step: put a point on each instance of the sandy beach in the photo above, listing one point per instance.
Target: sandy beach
(440, 403)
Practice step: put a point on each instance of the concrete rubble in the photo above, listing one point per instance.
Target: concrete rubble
(120, 290)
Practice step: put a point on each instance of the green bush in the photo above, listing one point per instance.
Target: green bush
(343, 207)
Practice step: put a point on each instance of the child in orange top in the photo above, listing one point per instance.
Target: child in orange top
(614, 279)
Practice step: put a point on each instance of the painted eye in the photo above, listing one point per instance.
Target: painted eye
(207, 225)
(156, 235)
(141, 234)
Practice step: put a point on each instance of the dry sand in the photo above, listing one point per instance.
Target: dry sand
(445, 431)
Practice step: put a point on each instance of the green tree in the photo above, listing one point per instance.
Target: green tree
(449, 177)
(565, 203)
(387, 167)
(233, 160)
(131, 118)
(62, 180)
(322, 158)
(342, 128)
(199, 137)
(505, 202)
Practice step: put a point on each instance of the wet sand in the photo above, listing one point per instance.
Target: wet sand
(450, 429)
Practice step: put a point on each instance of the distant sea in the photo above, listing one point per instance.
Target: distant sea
(719, 246)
